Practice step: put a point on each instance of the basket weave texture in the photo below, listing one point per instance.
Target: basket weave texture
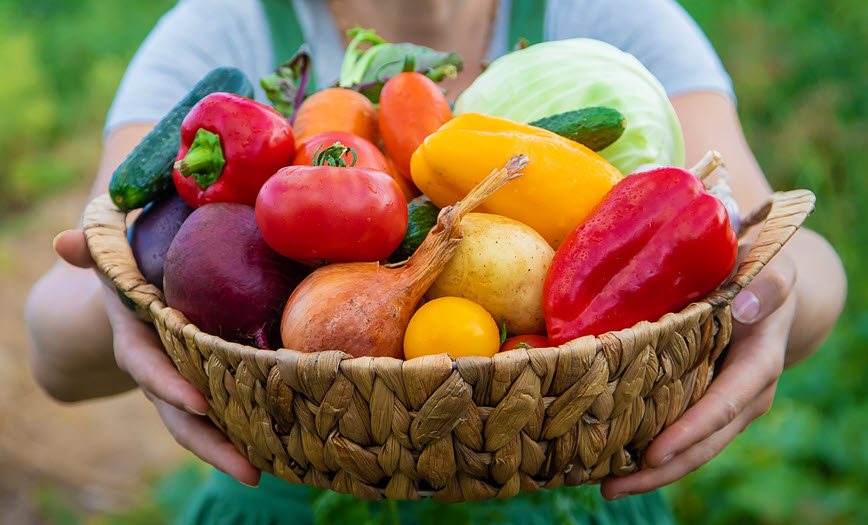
(468, 429)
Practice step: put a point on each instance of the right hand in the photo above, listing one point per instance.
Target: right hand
(139, 352)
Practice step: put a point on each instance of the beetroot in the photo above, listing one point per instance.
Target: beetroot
(225, 279)
(152, 233)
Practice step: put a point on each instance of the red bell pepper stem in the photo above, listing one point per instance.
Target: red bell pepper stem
(205, 159)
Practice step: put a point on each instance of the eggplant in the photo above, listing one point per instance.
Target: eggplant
(152, 232)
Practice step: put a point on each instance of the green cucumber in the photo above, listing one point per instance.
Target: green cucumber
(596, 127)
(125, 300)
(146, 173)
(422, 217)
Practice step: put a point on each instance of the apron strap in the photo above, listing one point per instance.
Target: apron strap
(286, 33)
(527, 20)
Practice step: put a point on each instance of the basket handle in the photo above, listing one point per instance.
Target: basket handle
(783, 213)
(105, 230)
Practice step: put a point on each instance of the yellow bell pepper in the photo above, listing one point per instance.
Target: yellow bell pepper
(555, 193)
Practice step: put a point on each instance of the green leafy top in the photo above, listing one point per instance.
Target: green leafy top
(368, 70)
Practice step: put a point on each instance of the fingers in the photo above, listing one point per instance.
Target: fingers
(691, 459)
(749, 371)
(767, 292)
(139, 352)
(71, 246)
(754, 362)
(199, 436)
(741, 393)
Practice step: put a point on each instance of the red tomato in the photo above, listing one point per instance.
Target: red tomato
(412, 107)
(323, 214)
(367, 155)
(531, 340)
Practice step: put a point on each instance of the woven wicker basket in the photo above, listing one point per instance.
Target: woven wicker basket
(467, 429)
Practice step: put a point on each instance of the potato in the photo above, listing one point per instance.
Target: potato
(500, 264)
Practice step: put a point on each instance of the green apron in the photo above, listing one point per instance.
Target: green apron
(224, 501)
(526, 21)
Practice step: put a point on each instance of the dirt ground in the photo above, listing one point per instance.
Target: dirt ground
(98, 454)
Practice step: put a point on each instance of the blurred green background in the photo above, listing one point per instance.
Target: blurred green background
(801, 76)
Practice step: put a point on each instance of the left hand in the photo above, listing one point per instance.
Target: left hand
(137, 350)
(742, 391)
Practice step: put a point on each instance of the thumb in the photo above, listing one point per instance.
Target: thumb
(71, 246)
(767, 292)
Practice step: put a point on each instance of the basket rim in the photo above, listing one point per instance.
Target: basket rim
(781, 214)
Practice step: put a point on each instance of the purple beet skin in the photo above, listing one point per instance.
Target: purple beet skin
(225, 279)
(152, 233)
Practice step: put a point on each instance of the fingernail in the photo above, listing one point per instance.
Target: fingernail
(665, 460)
(746, 307)
(249, 485)
(620, 496)
(193, 411)
(54, 241)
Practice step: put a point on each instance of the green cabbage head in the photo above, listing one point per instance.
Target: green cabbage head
(564, 75)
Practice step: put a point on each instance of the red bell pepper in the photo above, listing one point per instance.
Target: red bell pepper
(655, 243)
(230, 145)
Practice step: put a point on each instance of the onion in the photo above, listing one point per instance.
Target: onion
(723, 192)
(705, 167)
(225, 279)
(364, 308)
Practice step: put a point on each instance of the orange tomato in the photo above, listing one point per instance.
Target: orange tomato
(336, 109)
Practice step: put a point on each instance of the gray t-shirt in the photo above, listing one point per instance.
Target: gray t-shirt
(183, 47)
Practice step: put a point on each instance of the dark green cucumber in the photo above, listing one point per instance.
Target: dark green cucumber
(596, 127)
(147, 172)
(125, 300)
(422, 217)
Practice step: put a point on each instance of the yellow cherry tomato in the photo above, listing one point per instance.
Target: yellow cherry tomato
(451, 325)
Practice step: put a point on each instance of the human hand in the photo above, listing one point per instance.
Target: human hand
(742, 391)
(139, 352)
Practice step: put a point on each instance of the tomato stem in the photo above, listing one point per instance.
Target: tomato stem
(443, 72)
(333, 156)
(409, 63)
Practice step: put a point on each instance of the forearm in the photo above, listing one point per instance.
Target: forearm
(710, 121)
(820, 288)
(71, 339)
(72, 344)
